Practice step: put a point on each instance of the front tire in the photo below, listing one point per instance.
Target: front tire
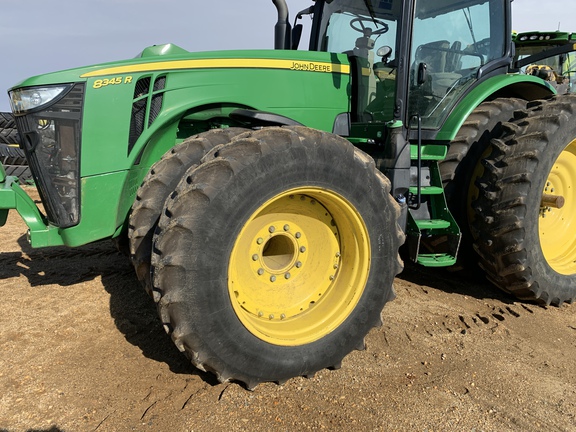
(160, 181)
(526, 237)
(275, 259)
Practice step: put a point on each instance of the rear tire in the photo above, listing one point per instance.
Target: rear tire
(525, 247)
(462, 164)
(7, 121)
(160, 181)
(9, 137)
(15, 163)
(275, 258)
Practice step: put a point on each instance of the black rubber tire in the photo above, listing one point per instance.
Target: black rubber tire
(9, 136)
(508, 209)
(7, 121)
(160, 181)
(197, 232)
(458, 169)
(15, 163)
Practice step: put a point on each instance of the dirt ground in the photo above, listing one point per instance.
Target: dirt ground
(81, 349)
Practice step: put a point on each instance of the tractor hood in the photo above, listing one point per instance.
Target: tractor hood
(173, 57)
(76, 74)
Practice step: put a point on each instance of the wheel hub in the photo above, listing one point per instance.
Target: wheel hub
(286, 280)
(557, 224)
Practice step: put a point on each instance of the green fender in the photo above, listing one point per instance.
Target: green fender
(512, 85)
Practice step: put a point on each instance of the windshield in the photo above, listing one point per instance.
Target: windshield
(452, 40)
(339, 33)
(559, 70)
(367, 31)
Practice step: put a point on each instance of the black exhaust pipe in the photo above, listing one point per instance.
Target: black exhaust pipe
(283, 29)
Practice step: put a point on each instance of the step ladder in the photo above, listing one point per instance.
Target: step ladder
(433, 237)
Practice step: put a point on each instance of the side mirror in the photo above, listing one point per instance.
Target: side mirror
(422, 73)
(296, 36)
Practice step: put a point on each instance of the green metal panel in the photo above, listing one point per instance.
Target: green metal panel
(275, 81)
(525, 86)
(309, 87)
(99, 208)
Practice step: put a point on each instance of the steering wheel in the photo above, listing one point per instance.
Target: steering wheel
(359, 25)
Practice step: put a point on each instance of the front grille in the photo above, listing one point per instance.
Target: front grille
(51, 140)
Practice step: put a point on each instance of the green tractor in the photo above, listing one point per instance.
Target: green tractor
(263, 196)
(548, 55)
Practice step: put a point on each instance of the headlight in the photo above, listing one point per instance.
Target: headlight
(31, 98)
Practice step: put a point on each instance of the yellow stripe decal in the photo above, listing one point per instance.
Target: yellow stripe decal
(246, 63)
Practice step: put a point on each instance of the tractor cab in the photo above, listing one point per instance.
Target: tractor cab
(413, 58)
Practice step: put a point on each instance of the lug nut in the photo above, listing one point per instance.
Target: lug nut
(255, 257)
(261, 271)
(302, 249)
(298, 264)
(287, 276)
(286, 227)
(271, 229)
(298, 235)
(272, 278)
(260, 240)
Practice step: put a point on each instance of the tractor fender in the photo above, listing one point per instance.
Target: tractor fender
(254, 118)
(512, 85)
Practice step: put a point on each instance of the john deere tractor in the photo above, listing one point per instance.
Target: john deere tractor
(264, 195)
(549, 55)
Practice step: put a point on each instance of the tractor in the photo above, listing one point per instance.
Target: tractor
(263, 196)
(550, 56)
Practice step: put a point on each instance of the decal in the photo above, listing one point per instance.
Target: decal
(235, 63)
(105, 82)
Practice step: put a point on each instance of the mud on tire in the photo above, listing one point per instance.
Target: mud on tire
(275, 258)
(528, 247)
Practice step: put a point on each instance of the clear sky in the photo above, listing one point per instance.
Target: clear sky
(39, 36)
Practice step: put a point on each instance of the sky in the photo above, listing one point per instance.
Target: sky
(39, 36)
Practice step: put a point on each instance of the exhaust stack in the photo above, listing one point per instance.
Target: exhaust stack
(282, 30)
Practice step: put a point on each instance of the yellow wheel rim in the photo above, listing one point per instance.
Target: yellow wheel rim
(557, 226)
(299, 266)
